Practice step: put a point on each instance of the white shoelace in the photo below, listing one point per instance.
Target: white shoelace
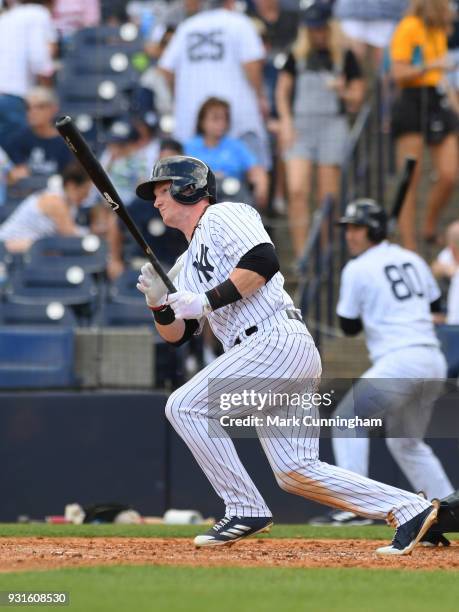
(224, 521)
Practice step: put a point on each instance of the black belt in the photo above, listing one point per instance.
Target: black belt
(291, 314)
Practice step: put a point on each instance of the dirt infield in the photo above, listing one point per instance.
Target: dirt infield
(18, 554)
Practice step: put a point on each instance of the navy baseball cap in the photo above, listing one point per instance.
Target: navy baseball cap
(316, 14)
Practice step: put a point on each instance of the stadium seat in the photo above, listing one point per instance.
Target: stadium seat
(449, 340)
(54, 314)
(36, 358)
(230, 189)
(25, 187)
(124, 291)
(122, 38)
(41, 285)
(126, 315)
(93, 95)
(88, 252)
(108, 62)
(6, 210)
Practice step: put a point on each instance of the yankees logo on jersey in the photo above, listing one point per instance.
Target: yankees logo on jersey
(223, 235)
(390, 289)
(203, 265)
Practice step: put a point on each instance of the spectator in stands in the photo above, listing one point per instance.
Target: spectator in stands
(154, 80)
(444, 266)
(228, 157)
(318, 83)
(47, 213)
(169, 242)
(26, 32)
(113, 12)
(177, 11)
(38, 149)
(148, 143)
(72, 15)
(280, 24)
(422, 113)
(219, 53)
(128, 164)
(170, 147)
(369, 24)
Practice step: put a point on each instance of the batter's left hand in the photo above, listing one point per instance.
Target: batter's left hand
(188, 305)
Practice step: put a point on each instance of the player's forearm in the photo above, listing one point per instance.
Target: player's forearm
(173, 332)
(246, 281)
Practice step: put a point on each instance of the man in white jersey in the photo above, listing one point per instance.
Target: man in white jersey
(230, 275)
(390, 292)
(218, 53)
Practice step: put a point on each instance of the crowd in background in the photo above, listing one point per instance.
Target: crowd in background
(263, 91)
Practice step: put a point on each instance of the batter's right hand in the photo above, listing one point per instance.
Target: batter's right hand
(151, 285)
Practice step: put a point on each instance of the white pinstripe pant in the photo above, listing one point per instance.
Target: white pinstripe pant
(277, 353)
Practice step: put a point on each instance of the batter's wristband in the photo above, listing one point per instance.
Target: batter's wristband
(222, 295)
(165, 316)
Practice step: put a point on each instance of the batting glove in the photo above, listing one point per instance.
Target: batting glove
(151, 285)
(188, 305)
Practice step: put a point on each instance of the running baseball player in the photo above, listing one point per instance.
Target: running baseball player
(390, 292)
(230, 275)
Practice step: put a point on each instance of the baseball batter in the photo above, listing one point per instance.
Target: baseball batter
(389, 292)
(230, 275)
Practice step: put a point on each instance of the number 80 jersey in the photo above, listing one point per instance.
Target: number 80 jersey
(390, 289)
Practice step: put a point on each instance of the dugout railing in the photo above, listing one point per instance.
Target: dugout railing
(367, 164)
(316, 269)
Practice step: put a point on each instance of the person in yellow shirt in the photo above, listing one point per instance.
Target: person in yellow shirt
(424, 112)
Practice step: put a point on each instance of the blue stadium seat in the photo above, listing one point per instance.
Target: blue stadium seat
(107, 36)
(233, 190)
(89, 94)
(106, 62)
(36, 358)
(126, 315)
(6, 210)
(40, 285)
(87, 252)
(124, 291)
(449, 339)
(25, 187)
(54, 314)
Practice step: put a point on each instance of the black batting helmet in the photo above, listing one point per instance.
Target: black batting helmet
(369, 213)
(191, 179)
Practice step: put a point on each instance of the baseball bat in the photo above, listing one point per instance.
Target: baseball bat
(401, 191)
(80, 148)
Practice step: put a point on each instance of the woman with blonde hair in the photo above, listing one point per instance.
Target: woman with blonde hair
(423, 110)
(318, 84)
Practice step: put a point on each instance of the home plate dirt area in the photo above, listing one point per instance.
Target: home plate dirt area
(27, 553)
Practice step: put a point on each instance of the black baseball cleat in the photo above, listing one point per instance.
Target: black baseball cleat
(410, 533)
(433, 539)
(231, 529)
(340, 518)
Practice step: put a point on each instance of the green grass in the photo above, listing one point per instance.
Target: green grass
(141, 588)
(187, 531)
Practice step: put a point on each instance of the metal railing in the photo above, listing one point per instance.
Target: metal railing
(364, 174)
(316, 268)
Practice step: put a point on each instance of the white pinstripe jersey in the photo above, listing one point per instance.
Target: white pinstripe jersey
(225, 233)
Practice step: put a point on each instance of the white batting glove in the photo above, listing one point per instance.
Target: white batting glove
(151, 285)
(188, 305)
